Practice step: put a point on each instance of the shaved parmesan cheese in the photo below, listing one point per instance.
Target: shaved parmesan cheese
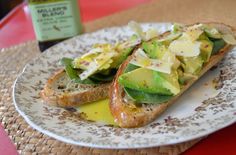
(229, 39)
(142, 60)
(141, 53)
(92, 52)
(106, 65)
(185, 48)
(84, 61)
(130, 43)
(137, 29)
(98, 62)
(212, 32)
(192, 33)
(170, 57)
(170, 37)
(151, 33)
(195, 26)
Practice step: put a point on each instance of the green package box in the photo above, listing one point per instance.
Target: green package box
(55, 19)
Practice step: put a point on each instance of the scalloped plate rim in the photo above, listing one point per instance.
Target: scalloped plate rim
(61, 138)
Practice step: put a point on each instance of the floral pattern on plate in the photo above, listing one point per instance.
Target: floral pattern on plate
(198, 112)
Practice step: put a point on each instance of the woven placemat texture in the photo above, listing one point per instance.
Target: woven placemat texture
(12, 61)
(30, 141)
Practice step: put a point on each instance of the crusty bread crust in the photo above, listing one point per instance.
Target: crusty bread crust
(72, 98)
(128, 115)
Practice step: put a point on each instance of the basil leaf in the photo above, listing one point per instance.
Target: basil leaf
(141, 97)
(104, 78)
(73, 73)
(218, 44)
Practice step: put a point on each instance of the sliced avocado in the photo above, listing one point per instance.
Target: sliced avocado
(180, 74)
(212, 32)
(154, 49)
(123, 53)
(206, 49)
(185, 77)
(142, 97)
(203, 36)
(142, 79)
(121, 56)
(168, 81)
(191, 65)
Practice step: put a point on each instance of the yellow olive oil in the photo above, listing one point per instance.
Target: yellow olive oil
(98, 111)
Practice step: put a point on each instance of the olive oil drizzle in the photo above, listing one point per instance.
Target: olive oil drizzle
(98, 111)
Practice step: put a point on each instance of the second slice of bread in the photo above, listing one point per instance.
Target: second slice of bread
(61, 91)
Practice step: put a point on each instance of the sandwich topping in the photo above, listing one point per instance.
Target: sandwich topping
(161, 66)
(99, 65)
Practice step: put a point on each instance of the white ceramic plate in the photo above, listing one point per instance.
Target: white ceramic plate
(199, 112)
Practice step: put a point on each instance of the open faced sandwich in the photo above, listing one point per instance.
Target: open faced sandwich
(163, 68)
(143, 75)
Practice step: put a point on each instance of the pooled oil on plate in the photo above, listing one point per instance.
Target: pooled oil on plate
(200, 111)
(98, 112)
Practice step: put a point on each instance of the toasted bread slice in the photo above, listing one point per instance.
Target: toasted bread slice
(128, 115)
(61, 91)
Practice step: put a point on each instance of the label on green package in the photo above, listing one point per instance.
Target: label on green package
(55, 19)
